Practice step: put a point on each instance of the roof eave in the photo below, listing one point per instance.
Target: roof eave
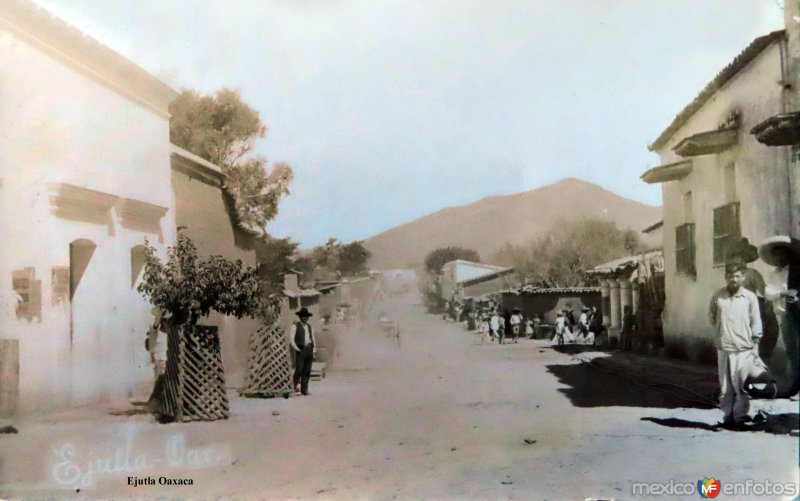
(752, 51)
(779, 130)
(68, 45)
(669, 172)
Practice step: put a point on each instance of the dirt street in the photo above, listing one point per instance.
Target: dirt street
(441, 417)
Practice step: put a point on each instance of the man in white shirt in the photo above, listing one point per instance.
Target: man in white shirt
(494, 325)
(157, 339)
(516, 322)
(776, 251)
(561, 328)
(583, 323)
(735, 315)
(302, 339)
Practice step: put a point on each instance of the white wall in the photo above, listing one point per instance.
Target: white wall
(57, 126)
(761, 189)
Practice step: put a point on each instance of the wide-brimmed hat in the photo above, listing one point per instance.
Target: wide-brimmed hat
(769, 244)
(303, 312)
(585, 308)
(759, 382)
(744, 251)
(516, 310)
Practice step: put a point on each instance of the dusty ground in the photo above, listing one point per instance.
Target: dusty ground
(442, 417)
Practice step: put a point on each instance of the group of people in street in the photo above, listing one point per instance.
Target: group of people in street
(740, 313)
(492, 323)
(584, 331)
(495, 324)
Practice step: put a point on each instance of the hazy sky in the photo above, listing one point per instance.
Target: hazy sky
(388, 110)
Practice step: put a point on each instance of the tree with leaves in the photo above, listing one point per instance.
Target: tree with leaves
(189, 288)
(561, 256)
(437, 258)
(352, 259)
(344, 259)
(221, 128)
(327, 255)
(275, 256)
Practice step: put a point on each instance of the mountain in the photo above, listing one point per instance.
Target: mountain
(490, 223)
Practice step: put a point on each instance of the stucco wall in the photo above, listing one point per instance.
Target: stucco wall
(201, 209)
(761, 181)
(455, 272)
(60, 127)
(492, 285)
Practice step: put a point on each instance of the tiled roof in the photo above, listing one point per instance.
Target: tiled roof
(743, 59)
(530, 290)
(623, 263)
(653, 227)
(301, 293)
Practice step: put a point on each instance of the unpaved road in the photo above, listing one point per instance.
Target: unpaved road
(442, 417)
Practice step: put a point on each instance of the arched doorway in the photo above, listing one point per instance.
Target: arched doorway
(87, 292)
(80, 256)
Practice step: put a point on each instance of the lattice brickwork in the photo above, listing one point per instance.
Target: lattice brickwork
(269, 369)
(194, 386)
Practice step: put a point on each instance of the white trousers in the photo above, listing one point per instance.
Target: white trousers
(733, 368)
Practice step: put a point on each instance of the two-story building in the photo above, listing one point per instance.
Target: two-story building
(720, 184)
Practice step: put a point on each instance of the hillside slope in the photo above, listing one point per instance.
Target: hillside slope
(489, 223)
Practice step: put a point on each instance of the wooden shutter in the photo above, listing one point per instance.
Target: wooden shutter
(684, 249)
(727, 231)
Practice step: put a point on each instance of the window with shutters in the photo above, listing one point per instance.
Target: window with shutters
(727, 231)
(684, 249)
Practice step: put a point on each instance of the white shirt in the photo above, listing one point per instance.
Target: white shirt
(583, 320)
(494, 322)
(561, 324)
(777, 282)
(307, 340)
(737, 319)
(516, 319)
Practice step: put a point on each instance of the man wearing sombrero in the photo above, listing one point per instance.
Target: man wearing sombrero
(304, 349)
(777, 251)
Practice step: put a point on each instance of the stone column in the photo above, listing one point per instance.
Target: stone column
(635, 296)
(625, 296)
(605, 291)
(616, 312)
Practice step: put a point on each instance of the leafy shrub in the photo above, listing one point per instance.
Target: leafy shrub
(189, 288)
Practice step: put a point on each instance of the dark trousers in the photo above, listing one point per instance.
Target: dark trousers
(302, 367)
(790, 331)
(157, 394)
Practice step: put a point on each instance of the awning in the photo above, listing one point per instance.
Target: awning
(706, 143)
(532, 290)
(300, 293)
(648, 263)
(669, 172)
(779, 130)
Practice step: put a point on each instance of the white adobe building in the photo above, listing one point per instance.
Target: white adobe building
(84, 179)
(720, 183)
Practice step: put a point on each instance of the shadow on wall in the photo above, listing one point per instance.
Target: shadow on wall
(693, 349)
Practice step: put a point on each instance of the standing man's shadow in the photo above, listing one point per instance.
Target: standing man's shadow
(776, 424)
